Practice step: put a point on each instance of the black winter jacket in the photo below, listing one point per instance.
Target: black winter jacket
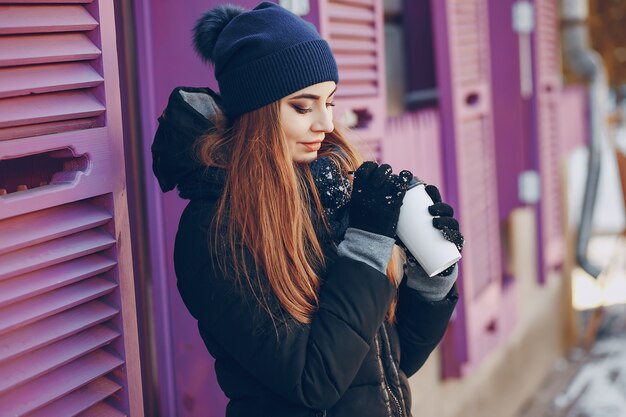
(347, 362)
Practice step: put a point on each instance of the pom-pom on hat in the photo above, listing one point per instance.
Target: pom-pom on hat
(261, 55)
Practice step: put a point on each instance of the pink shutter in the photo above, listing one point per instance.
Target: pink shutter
(354, 29)
(412, 141)
(573, 131)
(67, 310)
(546, 103)
(463, 62)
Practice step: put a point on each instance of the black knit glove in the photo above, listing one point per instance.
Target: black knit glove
(376, 198)
(444, 219)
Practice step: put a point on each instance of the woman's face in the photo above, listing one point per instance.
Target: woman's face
(305, 118)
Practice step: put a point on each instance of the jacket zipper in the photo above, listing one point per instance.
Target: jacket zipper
(395, 370)
(400, 413)
(383, 381)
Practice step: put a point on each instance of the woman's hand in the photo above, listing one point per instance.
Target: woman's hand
(444, 219)
(376, 198)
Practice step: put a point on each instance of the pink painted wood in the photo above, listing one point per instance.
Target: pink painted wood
(45, 19)
(50, 107)
(546, 102)
(44, 225)
(130, 401)
(81, 400)
(21, 314)
(101, 410)
(96, 181)
(573, 131)
(66, 273)
(54, 328)
(59, 383)
(44, 1)
(48, 279)
(31, 366)
(354, 31)
(20, 81)
(42, 49)
(463, 74)
(412, 141)
(50, 128)
(53, 252)
(362, 12)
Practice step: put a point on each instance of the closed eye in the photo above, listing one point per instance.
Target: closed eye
(302, 110)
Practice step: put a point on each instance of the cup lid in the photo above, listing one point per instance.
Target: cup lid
(414, 182)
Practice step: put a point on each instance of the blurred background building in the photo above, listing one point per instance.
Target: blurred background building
(500, 103)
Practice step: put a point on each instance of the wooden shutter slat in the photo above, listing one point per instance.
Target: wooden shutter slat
(49, 107)
(48, 128)
(45, 305)
(40, 19)
(58, 383)
(44, 225)
(44, 1)
(369, 76)
(344, 12)
(56, 327)
(79, 400)
(45, 280)
(352, 30)
(102, 410)
(547, 74)
(25, 80)
(356, 2)
(344, 60)
(45, 360)
(54, 252)
(356, 91)
(42, 49)
(353, 46)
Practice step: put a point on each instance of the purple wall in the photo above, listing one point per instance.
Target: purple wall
(511, 111)
(183, 365)
(511, 123)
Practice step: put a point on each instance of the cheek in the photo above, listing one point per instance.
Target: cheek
(294, 128)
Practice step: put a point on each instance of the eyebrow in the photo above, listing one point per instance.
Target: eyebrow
(311, 96)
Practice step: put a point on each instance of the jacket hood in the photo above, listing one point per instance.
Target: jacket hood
(190, 113)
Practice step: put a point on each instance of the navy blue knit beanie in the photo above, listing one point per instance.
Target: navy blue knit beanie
(261, 55)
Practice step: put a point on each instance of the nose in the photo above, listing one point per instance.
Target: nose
(324, 121)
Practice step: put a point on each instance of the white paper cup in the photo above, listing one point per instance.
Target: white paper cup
(425, 242)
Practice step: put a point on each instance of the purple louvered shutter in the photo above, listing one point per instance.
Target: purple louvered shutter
(463, 62)
(67, 305)
(546, 103)
(354, 30)
(412, 141)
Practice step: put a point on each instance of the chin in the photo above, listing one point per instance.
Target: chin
(304, 158)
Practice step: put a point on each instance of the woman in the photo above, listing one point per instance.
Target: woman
(284, 261)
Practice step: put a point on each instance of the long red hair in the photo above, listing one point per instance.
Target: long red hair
(265, 209)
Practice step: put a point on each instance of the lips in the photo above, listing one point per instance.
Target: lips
(312, 146)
